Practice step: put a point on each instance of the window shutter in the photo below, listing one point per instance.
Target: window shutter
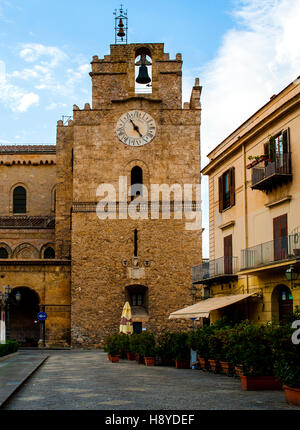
(286, 140)
(221, 193)
(232, 186)
(267, 152)
(272, 149)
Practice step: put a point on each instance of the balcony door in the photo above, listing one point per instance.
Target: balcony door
(228, 254)
(280, 236)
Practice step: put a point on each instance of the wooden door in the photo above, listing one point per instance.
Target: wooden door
(228, 254)
(280, 237)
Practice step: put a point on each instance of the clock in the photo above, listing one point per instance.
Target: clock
(136, 128)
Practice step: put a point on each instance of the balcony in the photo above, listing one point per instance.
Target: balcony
(274, 173)
(286, 248)
(27, 222)
(221, 270)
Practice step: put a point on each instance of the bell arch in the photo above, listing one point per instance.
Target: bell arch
(281, 302)
(24, 326)
(143, 71)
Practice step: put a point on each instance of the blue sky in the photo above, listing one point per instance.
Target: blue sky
(243, 51)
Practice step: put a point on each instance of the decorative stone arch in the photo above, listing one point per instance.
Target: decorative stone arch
(45, 247)
(11, 197)
(7, 248)
(146, 175)
(281, 302)
(26, 251)
(23, 315)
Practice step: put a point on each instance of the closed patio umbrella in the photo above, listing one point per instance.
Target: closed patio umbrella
(126, 320)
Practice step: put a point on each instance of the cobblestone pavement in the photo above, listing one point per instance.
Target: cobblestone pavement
(86, 380)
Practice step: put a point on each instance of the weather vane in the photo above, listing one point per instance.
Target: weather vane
(121, 25)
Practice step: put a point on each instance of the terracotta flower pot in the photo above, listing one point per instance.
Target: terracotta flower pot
(130, 356)
(292, 395)
(182, 364)
(115, 359)
(203, 363)
(109, 357)
(254, 383)
(214, 365)
(227, 368)
(149, 361)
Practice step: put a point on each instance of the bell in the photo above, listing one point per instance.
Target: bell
(143, 77)
(121, 32)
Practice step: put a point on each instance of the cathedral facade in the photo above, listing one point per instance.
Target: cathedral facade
(109, 214)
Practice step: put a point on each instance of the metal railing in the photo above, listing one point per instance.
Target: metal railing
(213, 268)
(283, 248)
(281, 166)
(27, 222)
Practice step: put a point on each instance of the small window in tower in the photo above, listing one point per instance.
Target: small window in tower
(19, 200)
(143, 72)
(136, 182)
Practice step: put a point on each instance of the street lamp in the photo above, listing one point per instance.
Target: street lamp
(6, 300)
(291, 274)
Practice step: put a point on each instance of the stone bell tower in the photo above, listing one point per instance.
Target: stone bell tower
(137, 133)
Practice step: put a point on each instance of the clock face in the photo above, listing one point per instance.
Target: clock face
(136, 128)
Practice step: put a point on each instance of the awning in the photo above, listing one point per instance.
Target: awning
(203, 308)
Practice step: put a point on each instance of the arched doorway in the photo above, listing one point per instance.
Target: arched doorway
(282, 302)
(23, 315)
(137, 296)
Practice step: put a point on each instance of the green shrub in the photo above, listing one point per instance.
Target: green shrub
(181, 346)
(146, 344)
(112, 344)
(286, 358)
(165, 345)
(134, 343)
(9, 347)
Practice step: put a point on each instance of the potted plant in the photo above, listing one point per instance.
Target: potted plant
(123, 345)
(181, 350)
(227, 366)
(253, 350)
(214, 352)
(147, 348)
(112, 347)
(165, 349)
(287, 364)
(134, 346)
(199, 343)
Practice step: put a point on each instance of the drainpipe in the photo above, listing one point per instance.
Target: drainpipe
(245, 208)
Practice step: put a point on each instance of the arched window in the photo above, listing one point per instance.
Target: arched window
(19, 200)
(3, 253)
(136, 182)
(49, 252)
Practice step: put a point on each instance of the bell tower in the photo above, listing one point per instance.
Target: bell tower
(136, 132)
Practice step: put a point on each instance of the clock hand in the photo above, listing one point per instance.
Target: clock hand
(135, 127)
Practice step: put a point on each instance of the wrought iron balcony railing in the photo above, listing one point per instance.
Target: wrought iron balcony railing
(283, 248)
(274, 173)
(221, 267)
(24, 222)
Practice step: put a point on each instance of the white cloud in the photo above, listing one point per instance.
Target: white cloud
(32, 52)
(18, 99)
(256, 59)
